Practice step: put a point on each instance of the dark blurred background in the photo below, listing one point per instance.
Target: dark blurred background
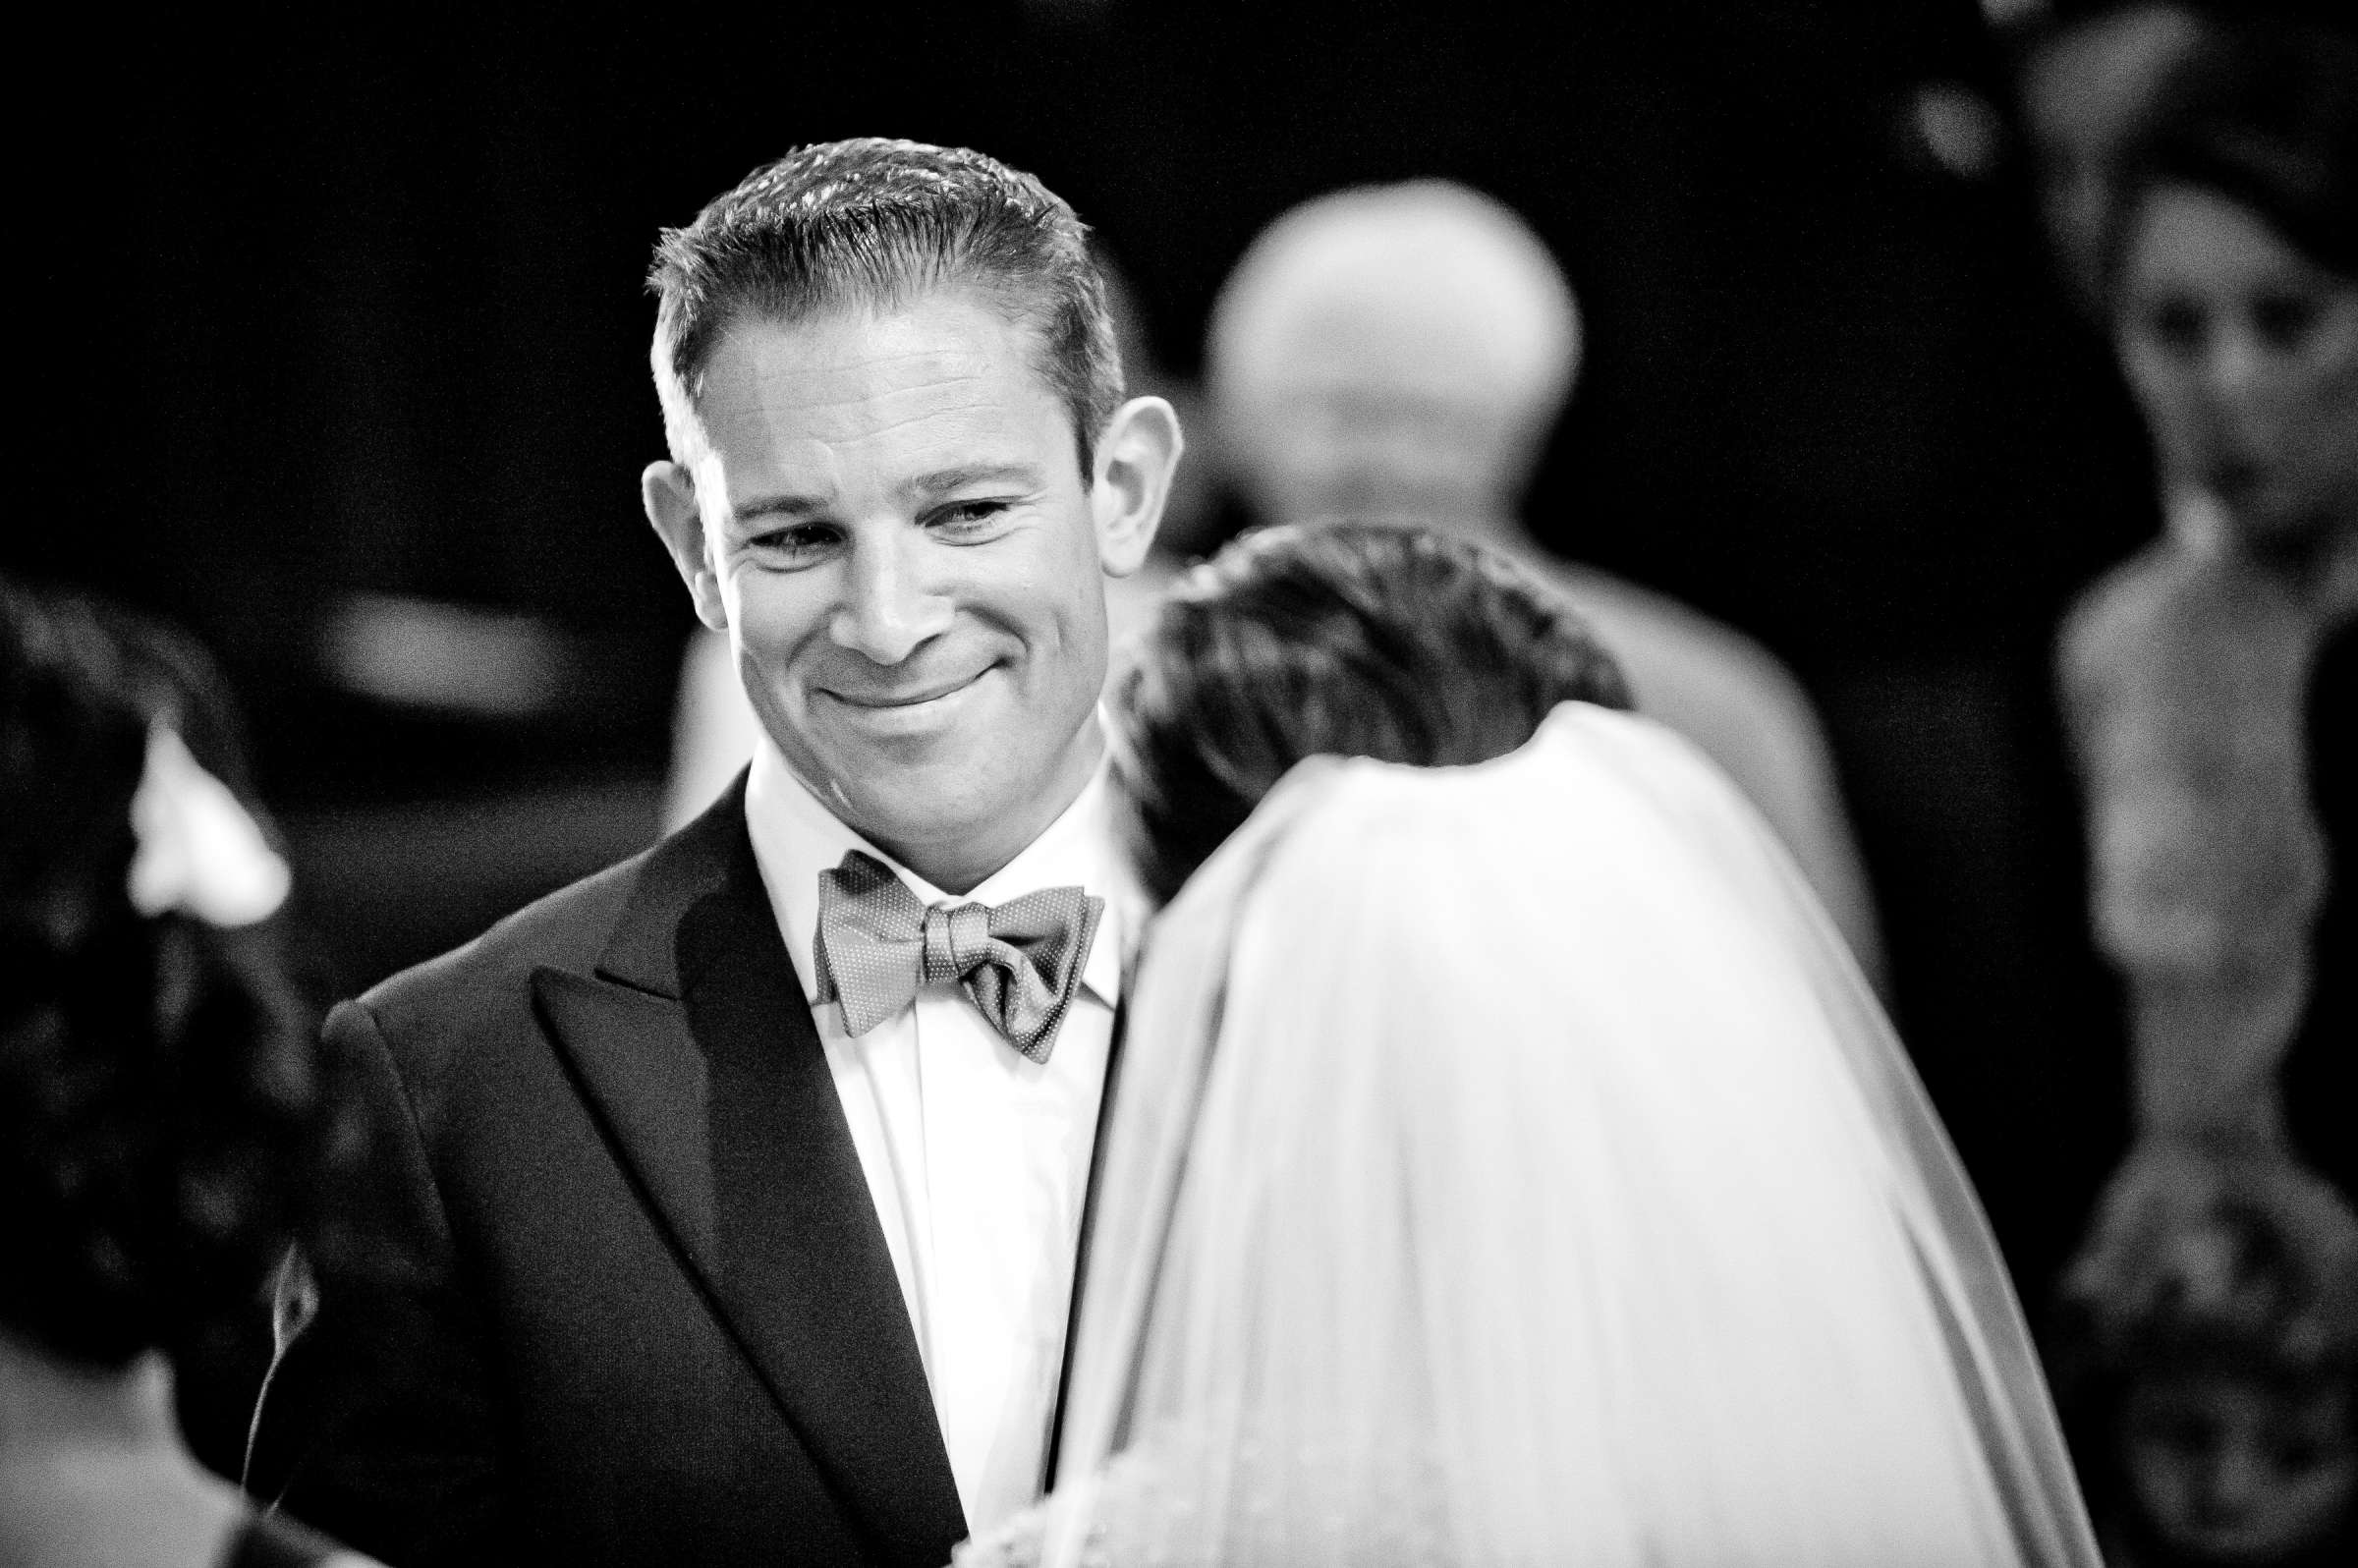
(338, 356)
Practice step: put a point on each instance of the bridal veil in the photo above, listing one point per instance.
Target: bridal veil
(1509, 1166)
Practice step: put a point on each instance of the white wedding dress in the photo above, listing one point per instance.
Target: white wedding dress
(1509, 1166)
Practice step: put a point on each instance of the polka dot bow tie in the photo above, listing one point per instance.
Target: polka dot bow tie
(1019, 962)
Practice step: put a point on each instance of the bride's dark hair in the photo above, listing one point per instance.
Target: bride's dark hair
(158, 1090)
(1348, 640)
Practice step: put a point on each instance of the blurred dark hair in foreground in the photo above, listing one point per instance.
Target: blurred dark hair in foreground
(159, 1098)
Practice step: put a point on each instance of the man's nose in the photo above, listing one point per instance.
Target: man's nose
(888, 610)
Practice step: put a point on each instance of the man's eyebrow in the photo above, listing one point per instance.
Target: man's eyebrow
(944, 480)
(783, 505)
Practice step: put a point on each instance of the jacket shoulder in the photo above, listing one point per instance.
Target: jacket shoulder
(567, 929)
(433, 1014)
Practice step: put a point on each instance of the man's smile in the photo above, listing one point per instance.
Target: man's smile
(903, 709)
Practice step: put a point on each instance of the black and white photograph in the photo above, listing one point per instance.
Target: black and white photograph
(1128, 784)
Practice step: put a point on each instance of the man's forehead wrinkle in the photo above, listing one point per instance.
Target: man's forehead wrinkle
(918, 382)
(955, 364)
(858, 414)
(951, 440)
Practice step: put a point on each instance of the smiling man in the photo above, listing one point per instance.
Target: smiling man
(745, 1178)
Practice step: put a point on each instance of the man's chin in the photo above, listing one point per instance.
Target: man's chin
(909, 786)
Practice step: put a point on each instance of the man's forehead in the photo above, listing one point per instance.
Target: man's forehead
(853, 351)
(930, 373)
(858, 334)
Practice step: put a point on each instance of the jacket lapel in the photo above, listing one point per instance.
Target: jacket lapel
(694, 1043)
(640, 1068)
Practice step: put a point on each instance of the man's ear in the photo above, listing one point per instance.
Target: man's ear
(669, 490)
(1136, 453)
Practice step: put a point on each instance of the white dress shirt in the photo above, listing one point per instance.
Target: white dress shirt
(977, 1158)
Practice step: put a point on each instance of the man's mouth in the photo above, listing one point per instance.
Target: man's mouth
(909, 696)
(899, 707)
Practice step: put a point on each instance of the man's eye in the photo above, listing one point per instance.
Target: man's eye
(796, 542)
(970, 516)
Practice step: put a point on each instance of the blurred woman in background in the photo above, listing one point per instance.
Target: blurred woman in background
(2233, 292)
(160, 1110)
(2197, 687)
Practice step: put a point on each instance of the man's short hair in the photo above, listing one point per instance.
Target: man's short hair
(872, 222)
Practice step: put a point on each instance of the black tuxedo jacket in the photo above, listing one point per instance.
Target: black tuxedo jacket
(651, 1316)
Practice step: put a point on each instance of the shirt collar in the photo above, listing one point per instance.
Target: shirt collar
(795, 838)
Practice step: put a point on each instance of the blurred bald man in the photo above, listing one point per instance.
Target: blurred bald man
(1401, 354)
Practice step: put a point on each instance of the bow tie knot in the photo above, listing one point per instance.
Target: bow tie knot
(957, 938)
(1019, 962)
